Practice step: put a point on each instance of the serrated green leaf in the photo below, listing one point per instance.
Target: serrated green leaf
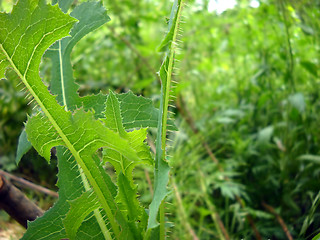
(95, 103)
(64, 5)
(127, 199)
(139, 112)
(80, 208)
(23, 146)
(133, 109)
(42, 135)
(43, 227)
(135, 139)
(84, 136)
(127, 195)
(113, 119)
(172, 27)
(84, 132)
(39, 128)
(136, 111)
(27, 32)
(25, 36)
(91, 15)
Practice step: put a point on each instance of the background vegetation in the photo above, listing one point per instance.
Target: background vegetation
(245, 162)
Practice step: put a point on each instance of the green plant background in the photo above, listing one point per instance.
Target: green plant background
(248, 93)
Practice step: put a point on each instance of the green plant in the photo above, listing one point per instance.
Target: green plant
(90, 204)
(239, 95)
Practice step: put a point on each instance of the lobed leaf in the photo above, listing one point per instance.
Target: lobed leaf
(27, 32)
(23, 146)
(24, 36)
(136, 139)
(86, 135)
(91, 15)
(170, 37)
(127, 191)
(128, 202)
(80, 208)
(127, 197)
(43, 227)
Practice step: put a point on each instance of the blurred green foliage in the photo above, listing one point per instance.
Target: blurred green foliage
(253, 92)
(248, 93)
(13, 109)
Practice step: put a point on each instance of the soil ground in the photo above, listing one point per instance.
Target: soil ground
(11, 231)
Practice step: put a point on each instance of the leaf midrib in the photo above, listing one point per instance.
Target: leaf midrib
(62, 77)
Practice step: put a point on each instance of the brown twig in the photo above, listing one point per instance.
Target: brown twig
(151, 144)
(250, 219)
(279, 219)
(16, 204)
(222, 227)
(290, 64)
(29, 185)
(146, 173)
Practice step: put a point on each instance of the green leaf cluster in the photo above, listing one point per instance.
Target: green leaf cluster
(90, 203)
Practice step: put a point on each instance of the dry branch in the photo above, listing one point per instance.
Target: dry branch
(279, 219)
(16, 204)
(29, 185)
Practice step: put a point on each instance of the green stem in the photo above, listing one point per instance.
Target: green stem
(162, 221)
(168, 82)
(291, 60)
(165, 110)
(96, 212)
